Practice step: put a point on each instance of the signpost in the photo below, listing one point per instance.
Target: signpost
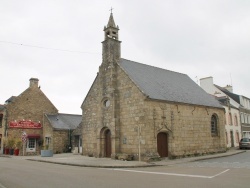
(24, 140)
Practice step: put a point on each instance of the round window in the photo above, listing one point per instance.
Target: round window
(106, 103)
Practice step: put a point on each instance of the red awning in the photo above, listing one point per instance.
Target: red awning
(33, 136)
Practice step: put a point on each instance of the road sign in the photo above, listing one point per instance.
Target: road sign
(24, 137)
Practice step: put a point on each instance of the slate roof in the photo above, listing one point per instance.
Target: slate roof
(234, 96)
(161, 84)
(64, 121)
(224, 101)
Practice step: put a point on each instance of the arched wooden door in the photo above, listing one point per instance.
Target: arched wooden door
(162, 144)
(107, 143)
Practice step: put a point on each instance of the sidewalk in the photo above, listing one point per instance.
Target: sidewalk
(84, 161)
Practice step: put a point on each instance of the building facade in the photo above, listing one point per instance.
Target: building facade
(232, 109)
(58, 131)
(24, 114)
(145, 111)
(28, 118)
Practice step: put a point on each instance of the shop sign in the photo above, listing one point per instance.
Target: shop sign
(25, 124)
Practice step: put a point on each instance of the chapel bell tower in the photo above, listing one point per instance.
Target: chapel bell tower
(111, 45)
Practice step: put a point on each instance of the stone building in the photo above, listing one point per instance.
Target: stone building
(145, 111)
(59, 134)
(33, 113)
(25, 113)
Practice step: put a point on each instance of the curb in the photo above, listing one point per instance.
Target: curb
(93, 166)
(168, 163)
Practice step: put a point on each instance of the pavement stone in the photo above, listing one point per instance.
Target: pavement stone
(85, 161)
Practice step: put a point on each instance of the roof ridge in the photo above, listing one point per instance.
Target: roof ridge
(153, 66)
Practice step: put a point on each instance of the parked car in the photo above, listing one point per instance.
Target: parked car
(244, 143)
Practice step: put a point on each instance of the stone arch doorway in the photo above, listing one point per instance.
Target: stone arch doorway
(106, 149)
(162, 144)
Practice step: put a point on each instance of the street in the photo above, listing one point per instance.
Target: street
(232, 171)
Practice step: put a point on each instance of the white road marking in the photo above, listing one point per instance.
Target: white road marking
(220, 173)
(171, 174)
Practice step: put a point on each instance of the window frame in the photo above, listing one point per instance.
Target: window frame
(214, 125)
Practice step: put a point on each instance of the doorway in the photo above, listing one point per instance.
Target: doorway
(78, 144)
(232, 138)
(107, 144)
(162, 144)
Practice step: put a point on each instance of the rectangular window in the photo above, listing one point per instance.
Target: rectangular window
(47, 141)
(31, 145)
(242, 118)
(245, 120)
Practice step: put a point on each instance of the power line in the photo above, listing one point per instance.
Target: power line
(46, 48)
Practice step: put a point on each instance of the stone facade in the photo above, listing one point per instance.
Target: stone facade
(58, 131)
(59, 139)
(31, 105)
(117, 114)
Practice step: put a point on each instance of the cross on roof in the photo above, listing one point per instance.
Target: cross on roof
(111, 10)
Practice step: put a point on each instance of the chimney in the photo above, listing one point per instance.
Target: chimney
(229, 88)
(34, 82)
(207, 83)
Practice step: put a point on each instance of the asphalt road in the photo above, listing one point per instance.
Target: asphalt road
(225, 172)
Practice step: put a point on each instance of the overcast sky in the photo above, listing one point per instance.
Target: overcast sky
(199, 38)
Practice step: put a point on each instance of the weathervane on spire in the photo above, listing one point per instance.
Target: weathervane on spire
(111, 10)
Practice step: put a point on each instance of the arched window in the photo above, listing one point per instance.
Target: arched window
(235, 120)
(214, 130)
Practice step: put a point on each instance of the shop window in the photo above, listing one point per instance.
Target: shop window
(31, 145)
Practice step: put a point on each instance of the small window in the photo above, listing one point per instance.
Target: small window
(242, 118)
(230, 119)
(214, 130)
(235, 120)
(106, 103)
(47, 141)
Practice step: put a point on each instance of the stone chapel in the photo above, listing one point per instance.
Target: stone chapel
(145, 111)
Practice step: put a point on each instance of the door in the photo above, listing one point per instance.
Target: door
(162, 144)
(107, 143)
(77, 140)
(232, 138)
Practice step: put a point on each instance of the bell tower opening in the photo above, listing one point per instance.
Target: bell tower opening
(111, 30)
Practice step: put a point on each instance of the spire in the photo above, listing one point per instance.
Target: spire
(111, 22)
(111, 31)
